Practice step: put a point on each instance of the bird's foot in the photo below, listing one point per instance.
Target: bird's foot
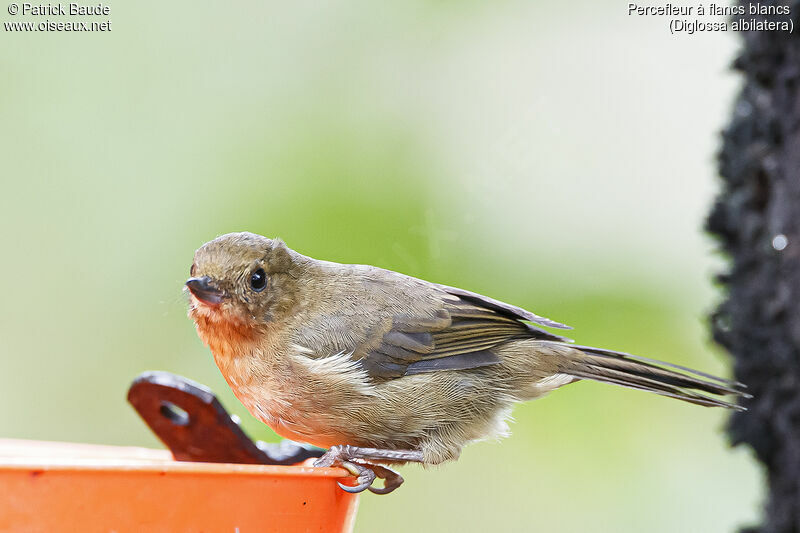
(366, 476)
(355, 460)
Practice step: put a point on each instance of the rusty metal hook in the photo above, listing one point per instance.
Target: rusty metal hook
(193, 424)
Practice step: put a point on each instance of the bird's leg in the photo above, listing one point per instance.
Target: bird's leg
(346, 452)
(358, 461)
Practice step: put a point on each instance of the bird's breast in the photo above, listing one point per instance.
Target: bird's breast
(300, 397)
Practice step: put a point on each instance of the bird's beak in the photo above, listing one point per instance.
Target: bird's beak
(204, 290)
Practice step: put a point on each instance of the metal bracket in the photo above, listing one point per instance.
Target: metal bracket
(193, 424)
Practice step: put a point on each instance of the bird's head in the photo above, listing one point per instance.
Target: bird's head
(240, 283)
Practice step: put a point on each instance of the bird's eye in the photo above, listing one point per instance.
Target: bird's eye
(258, 280)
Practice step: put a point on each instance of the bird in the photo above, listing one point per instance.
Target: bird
(383, 369)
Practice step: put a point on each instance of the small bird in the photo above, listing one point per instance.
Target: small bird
(383, 368)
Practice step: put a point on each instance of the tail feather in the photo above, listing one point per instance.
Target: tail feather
(663, 375)
(626, 370)
(651, 362)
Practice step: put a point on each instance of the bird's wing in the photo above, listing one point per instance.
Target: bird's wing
(458, 333)
(502, 308)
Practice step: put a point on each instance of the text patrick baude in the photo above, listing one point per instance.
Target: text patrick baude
(65, 9)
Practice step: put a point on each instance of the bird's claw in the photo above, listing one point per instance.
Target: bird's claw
(328, 459)
(391, 480)
(365, 474)
(365, 477)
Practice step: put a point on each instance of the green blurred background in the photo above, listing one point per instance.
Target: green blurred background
(556, 156)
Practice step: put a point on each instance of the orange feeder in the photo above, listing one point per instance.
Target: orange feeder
(48, 487)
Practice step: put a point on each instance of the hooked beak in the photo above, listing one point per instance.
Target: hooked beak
(203, 290)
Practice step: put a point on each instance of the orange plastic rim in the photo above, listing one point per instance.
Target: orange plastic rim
(51, 487)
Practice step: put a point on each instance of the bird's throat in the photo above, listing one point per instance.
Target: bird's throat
(226, 338)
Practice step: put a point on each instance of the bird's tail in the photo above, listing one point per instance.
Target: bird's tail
(674, 381)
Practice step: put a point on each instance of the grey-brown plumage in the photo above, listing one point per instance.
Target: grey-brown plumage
(335, 354)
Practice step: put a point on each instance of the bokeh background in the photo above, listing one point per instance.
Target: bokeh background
(559, 156)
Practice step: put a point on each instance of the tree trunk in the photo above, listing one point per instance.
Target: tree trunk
(757, 219)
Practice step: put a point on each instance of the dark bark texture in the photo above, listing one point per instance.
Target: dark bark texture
(757, 219)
